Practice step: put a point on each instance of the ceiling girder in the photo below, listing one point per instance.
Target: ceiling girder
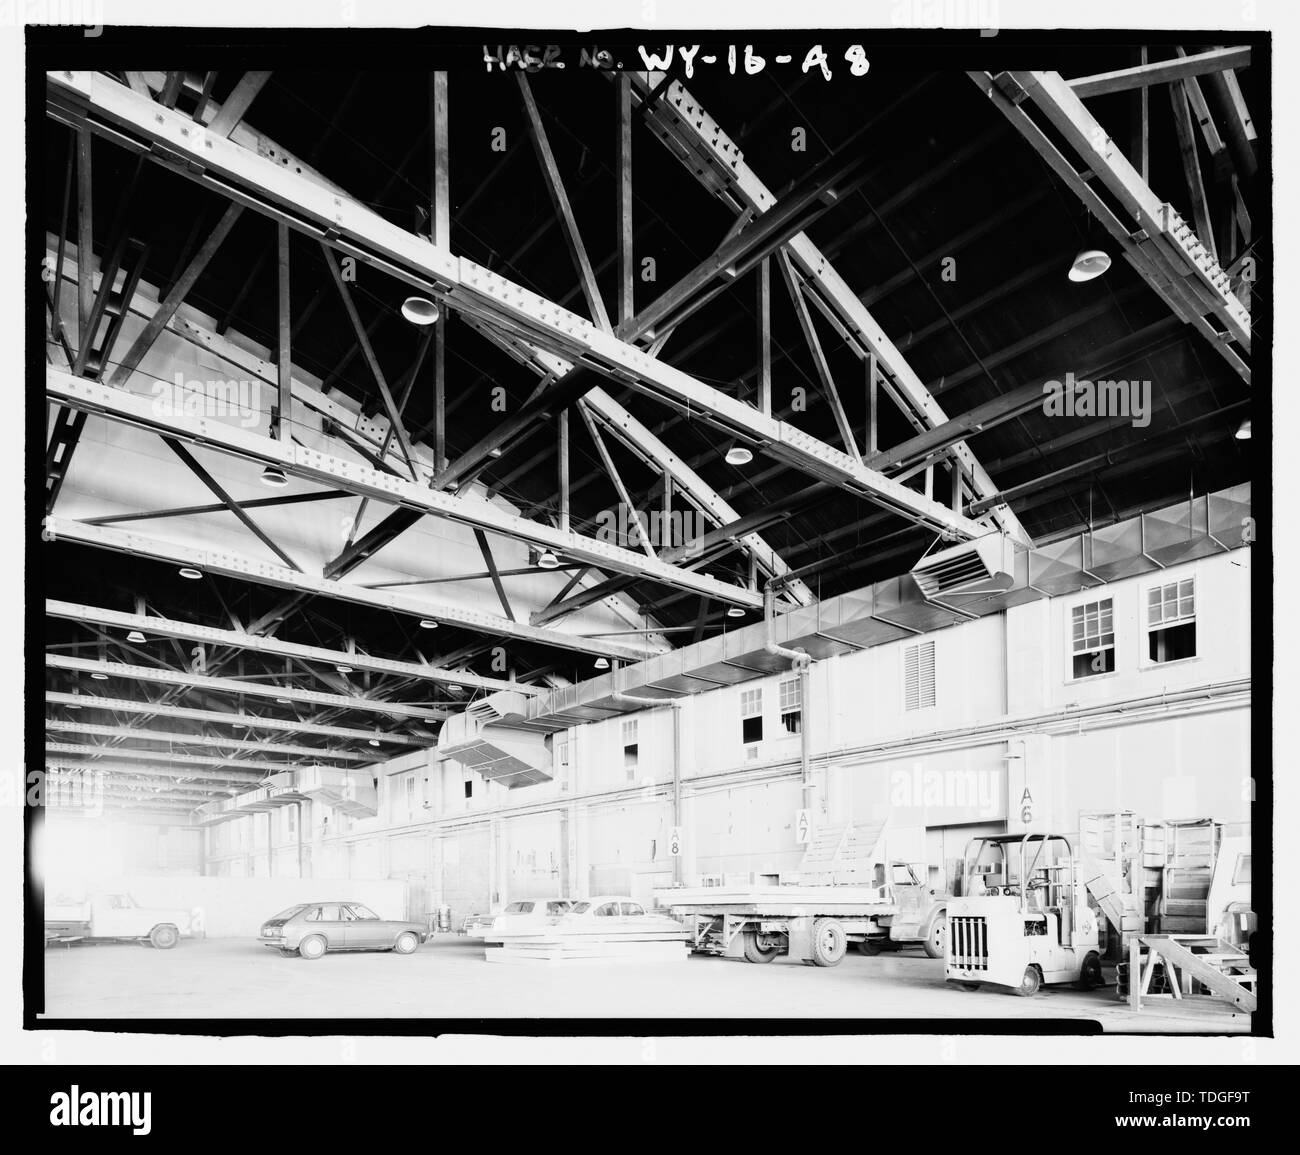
(114, 111)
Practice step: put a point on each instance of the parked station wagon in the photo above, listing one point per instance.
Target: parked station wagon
(310, 929)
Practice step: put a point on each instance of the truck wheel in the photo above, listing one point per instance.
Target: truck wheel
(829, 942)
(1030, 983)
(756, 952)
(936, 942)
(164, 937)
(312, 947)
(406, 943)
(1090, 972)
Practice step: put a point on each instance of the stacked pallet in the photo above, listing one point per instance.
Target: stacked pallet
(646, 946)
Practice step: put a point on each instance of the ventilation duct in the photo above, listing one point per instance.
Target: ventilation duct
(483, 739)
(983, 566)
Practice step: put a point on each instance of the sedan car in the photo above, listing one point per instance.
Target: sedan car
(516, 917)
(615, 914)
(309, 929)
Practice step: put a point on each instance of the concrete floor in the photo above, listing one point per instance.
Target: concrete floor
(448, 978)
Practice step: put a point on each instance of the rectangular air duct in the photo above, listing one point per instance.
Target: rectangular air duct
(483, 739)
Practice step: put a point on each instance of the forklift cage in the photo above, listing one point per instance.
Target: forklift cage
(1021, 884)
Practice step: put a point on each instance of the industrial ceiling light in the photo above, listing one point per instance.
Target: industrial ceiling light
(419, 310)
(547, 560)
(495, 451)
(1243, 430)
(428, 624)
(188, 571)
(284, 701)
(135, 636)
(738, 455)
(602, 663)
(374, 741)
(344, 669)
(1089, 264)
(99, 677)
(275, 477)
(735, 612)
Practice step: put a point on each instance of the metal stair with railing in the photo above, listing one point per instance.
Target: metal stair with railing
(1189, 961)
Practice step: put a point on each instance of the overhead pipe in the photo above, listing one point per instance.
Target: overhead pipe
(676, 705)
(801, 664)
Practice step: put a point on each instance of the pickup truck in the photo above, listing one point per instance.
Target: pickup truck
(114, 917)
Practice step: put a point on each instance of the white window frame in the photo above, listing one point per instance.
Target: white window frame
(1177, 618)
(1092, 643)
(630, 732)
(789, 693)
(751, 706)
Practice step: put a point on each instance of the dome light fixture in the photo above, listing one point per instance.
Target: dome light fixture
(1088, 265)
(735, 611)
(275, 477)
(188, 571)
(602, 663)
(547, 560)
(420, 310)
(428, 624)
(135, 636)
(344, 669)
(1243, 431)
(738, 455)
(373, 741)
(284, 701)
(99, 677)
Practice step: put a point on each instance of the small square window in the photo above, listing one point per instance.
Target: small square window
(1171, 621)
(1092, 639)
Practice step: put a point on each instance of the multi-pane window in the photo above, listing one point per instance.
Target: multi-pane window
(1171, 621)
(751, 716)
(631, 749)
(563, 763)
(918, 676)
(791, 702)
(1092, 639)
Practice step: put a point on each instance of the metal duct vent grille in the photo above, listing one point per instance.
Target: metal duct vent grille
(495, 707)
(980, 566)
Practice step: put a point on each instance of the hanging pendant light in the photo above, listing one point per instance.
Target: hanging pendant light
(1089, 264)
(738, 455)
(275, 477)
(602, 663)
(420, 310)
(1243, 431)
(547, 560)
(135, 636)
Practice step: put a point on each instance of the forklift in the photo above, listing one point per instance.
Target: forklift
(1023, 917)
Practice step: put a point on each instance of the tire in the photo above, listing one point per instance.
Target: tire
(755, 952)
(312, 947)
(1030, 983)
(829, 942)
(1090, 977)
(164, 937)
(407, 943)
(967, 987)
(936, 942)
